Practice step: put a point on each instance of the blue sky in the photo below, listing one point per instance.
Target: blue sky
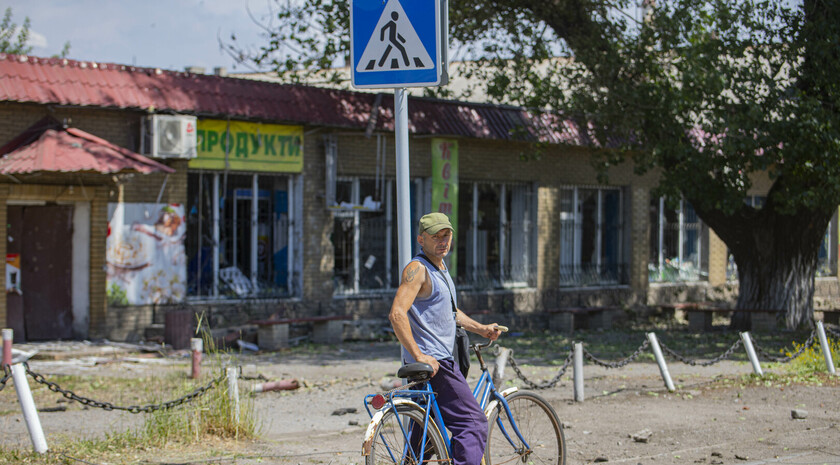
(169, 34)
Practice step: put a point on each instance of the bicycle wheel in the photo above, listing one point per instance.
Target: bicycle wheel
(538, 424)
(389, 443)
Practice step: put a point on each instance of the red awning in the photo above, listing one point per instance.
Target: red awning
(72, 150)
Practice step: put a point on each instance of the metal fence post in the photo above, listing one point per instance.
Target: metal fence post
(826, 350)
(197, 346)
(233, 391)
(578, 372)
(745, 336)
(30, 413)
(499, 366)
(8, 336)
(660, 359)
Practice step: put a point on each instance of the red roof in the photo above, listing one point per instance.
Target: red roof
(70, 82)
(72, 150)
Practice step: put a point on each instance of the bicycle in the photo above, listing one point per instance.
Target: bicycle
(523, 427)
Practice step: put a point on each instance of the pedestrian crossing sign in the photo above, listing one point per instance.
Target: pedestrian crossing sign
(398, 44)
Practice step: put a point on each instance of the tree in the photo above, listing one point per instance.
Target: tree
(13, 39)
(710, 93)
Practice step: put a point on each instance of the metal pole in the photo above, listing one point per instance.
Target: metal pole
(745, 337)
(255, 205)
(197, 346)
(30, 413)
(403, 192)
(660, 359)
(499, 366)
(826, 350)
(216, 235)
(578, 372)
(8, 336)
(233, 392)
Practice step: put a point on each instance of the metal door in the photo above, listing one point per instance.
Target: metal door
(46, 267)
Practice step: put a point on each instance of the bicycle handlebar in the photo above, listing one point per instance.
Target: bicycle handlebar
(478, 346)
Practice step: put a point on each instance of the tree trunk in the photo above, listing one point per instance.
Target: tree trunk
(776, 256)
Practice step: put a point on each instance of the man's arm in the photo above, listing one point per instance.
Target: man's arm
(413, 277)
(490, 331)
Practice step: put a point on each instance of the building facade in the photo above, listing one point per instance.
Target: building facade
(285, 205)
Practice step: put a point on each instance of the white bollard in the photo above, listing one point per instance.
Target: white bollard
(578, 359)
(8, 336)
(826, 350)
(660, 359)
(745, 337)
(196, 346)
(30, 413)
(233, 391)
(499, 366)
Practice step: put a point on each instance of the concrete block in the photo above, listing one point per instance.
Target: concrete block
(273, 337)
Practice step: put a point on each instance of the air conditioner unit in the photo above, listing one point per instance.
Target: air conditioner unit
(169, 136)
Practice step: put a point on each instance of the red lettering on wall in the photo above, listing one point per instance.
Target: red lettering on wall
(445, 208)
(445, 154)
(446, 171)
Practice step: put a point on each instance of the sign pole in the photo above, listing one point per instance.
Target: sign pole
(403, 200)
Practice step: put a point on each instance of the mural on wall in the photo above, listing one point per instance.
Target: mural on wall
(145, 254)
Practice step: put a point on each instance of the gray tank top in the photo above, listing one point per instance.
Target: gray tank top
(432, 320)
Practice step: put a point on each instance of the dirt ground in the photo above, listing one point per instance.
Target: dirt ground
(705, 421)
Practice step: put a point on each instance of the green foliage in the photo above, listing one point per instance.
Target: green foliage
(13, 39)
(811, 360)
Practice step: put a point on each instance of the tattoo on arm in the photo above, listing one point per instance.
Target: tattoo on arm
(411, 273)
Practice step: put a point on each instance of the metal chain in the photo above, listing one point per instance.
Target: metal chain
(7, 373)
(547, 384)
(831, 330)
(766, 354)
(619, 363)
(131, 409)
(691, 362)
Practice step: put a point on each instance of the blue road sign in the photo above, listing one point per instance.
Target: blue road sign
(395, 44)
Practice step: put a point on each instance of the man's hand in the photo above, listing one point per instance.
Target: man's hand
(423, 358)
(490, 331)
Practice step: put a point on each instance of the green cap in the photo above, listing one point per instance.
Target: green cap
(434, 222)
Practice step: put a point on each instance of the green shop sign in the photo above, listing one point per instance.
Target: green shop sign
(243, 146)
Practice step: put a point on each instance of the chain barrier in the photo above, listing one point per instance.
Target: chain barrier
(619, 363)
(131, 409)
(7, 373)
(547, 384)
(691, 362)
(767, 355)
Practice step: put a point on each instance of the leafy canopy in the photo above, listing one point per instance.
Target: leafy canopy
(710, 93)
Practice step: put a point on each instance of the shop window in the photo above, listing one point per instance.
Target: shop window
(235, 251)
(364, 236)
(591, 237)
(676, 246)
(496, 237)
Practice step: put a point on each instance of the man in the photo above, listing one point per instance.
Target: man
(424, 315)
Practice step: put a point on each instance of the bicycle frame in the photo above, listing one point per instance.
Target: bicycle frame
(484, 392)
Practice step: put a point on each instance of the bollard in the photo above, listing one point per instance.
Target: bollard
(663, 367)
(233, 392)
(826, 350)
(745, 337)
(578, 360)
(282, 385)
(499, 366)
(197, 346)
(30, 413)
(8, 336)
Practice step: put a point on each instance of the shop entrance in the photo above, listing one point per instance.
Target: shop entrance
(39, 297)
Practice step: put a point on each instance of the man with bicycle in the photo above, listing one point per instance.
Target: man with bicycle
(424, 316)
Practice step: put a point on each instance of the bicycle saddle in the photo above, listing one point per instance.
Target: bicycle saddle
(416, 371)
